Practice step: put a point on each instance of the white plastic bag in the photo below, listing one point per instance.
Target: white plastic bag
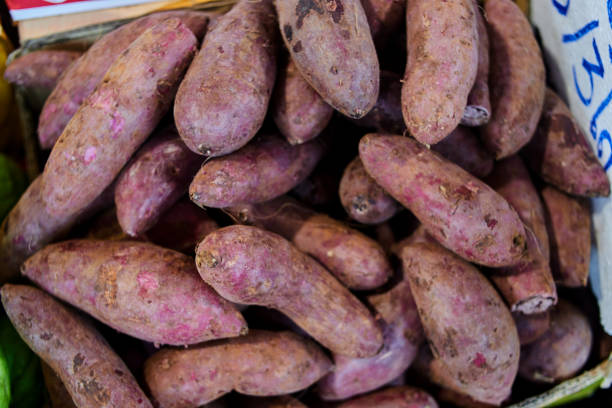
(576, 38)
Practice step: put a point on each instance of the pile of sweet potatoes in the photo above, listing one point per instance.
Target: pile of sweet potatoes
(263, 196)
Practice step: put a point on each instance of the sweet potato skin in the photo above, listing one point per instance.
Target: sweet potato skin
(182, 227)
(353, 258)
(284, 401)
(40, 68)
(298, 111)
(463, 148)
(250, 266)
(442, 42)
(222, 102)
(261, 363)
(395, 397)
(140, 289)
(29, 227)
(435, 372)
(80, 80)
(80, 356)
(458, 210)
(333, 51)
(470, 331)
(528, 287)
(402, 334)
(363, 199)
(517, 93)
(261, 171)
(116, 118)
(561, 155)
(386, 115)
(320, 188)
(531, 327)
(478, 109)
(460, 400)
(384, 18)
(155, 178)
(59, 396)
(568, 221)
(560, 352)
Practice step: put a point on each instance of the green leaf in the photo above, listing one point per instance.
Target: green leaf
(584, 393)
(5, 382)
(28, 390)
(577, 388)
(26, 382)
(12, 184)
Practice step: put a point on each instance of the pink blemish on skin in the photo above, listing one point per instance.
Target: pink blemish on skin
(491, 223)
(480, 360)
(147, 281)
(116, 125)
(18, 240)
(182, 332)
(90, 155)
(48, 111)
(212, 375)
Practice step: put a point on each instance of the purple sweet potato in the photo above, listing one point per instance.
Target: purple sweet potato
(116, 118)
(298, 111)
(478, 109)
(386, 115)
(222, 102)
(261, 171)
(29, 227)
(80, 80)
(460, 400)
(402, 334)
(332, 47)
(384, 18)
(320, 188)
(251, 266)
(560, 154)
(457, 209)
(353, 258)
(385, 236)
(435, 372)
(140, 289)
(104, 226)
(40, 68)
(156, 177)
(90, 370)
(182, 227)
(58, 394)
(470, 331)
(395, 397)
(568, 221)
(562, 351)
(442, 43)
(531, 327)
(528, 287)
(463, 148)
(363, 199)
(261, 363)
(516, 79)
(284, 401)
